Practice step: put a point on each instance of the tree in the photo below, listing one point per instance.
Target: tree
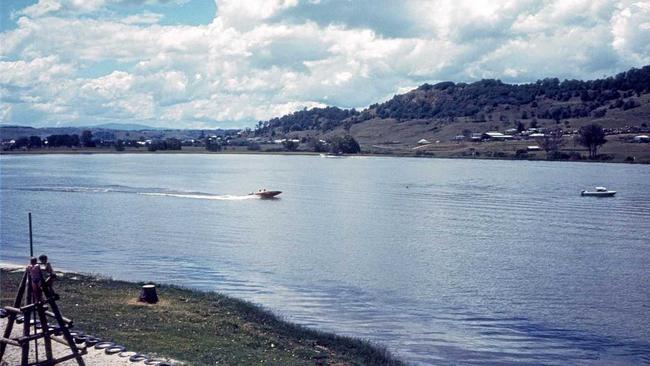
(552, 142)
(63, 140)
(35, 142)
(22, 142)
(87, 139)
(316, 145)
(119, 145)
(212, 144)
(521, 127)
(344, 145)
(290, 145)
(592, 137)
(173, 144)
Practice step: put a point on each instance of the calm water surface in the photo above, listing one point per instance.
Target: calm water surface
(443, 261)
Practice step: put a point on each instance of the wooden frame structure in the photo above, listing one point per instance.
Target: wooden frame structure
(41, 309)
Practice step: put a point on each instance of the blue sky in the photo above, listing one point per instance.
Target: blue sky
(230, 63)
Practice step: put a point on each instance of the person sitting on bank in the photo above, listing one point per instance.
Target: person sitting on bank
(36, 278)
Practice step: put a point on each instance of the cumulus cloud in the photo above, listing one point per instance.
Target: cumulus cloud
(80, 62)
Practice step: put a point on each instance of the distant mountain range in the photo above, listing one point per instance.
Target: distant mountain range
(445, 109)
(125, 127)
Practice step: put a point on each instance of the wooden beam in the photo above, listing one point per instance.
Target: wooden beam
(68, 321)
(14, 310)
(9, 341)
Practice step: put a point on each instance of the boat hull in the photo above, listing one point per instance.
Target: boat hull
(267, 194)
(597, 194)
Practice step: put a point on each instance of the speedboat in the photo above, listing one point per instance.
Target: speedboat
(263, 193)
(599, 192)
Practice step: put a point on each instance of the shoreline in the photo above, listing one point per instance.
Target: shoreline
(195, 151)
(196, 327)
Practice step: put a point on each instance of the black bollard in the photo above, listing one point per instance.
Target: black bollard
(148, 294)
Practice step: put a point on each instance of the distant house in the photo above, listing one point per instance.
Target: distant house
(536, 135)
(423, 142)
(533, 148)
(496, 136)
(459, 138)
(511, 131)
(641, 138)
(476, 137)
(282, 141)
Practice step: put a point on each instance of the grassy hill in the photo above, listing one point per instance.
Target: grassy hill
(445, 110)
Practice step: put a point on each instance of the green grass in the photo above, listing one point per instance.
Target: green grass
(199, 328)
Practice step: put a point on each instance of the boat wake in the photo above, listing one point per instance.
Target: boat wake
(226, 197)
(160, 192)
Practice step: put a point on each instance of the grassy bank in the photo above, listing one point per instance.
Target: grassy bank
(196, 327)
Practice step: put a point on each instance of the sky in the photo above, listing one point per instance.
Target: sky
(231, 63)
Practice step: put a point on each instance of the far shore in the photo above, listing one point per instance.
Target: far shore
(486, 152)
(195, 327)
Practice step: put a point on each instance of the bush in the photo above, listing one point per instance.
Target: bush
(575, 156)
(423, 153)
(521, 154)
(557, 155)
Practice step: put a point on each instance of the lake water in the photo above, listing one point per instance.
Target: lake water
(443, 261)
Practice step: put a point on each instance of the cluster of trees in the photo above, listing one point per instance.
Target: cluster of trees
(448, 99)
(345, 144)
(31, 142)
(212, 144)
(322, 119)
(451, 100)
(63, 140)
(166, 144)
(591, 136)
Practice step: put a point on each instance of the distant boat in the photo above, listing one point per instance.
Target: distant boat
(331, 155)
(263, 193)
(599, 192)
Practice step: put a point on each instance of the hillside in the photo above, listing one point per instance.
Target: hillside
(442, 111)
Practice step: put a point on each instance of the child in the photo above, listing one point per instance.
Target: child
(36, 277)
(47, 267)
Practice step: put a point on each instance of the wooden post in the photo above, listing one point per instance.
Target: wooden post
(27, 316)
(12, 315)
(31, 241)
(46, 330)
(148, 294)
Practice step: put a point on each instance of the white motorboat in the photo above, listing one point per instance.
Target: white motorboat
(263, 193)
(599, 192)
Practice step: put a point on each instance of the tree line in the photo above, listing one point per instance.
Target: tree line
(450, 100)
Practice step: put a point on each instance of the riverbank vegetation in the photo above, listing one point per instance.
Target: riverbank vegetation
(198, 328)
